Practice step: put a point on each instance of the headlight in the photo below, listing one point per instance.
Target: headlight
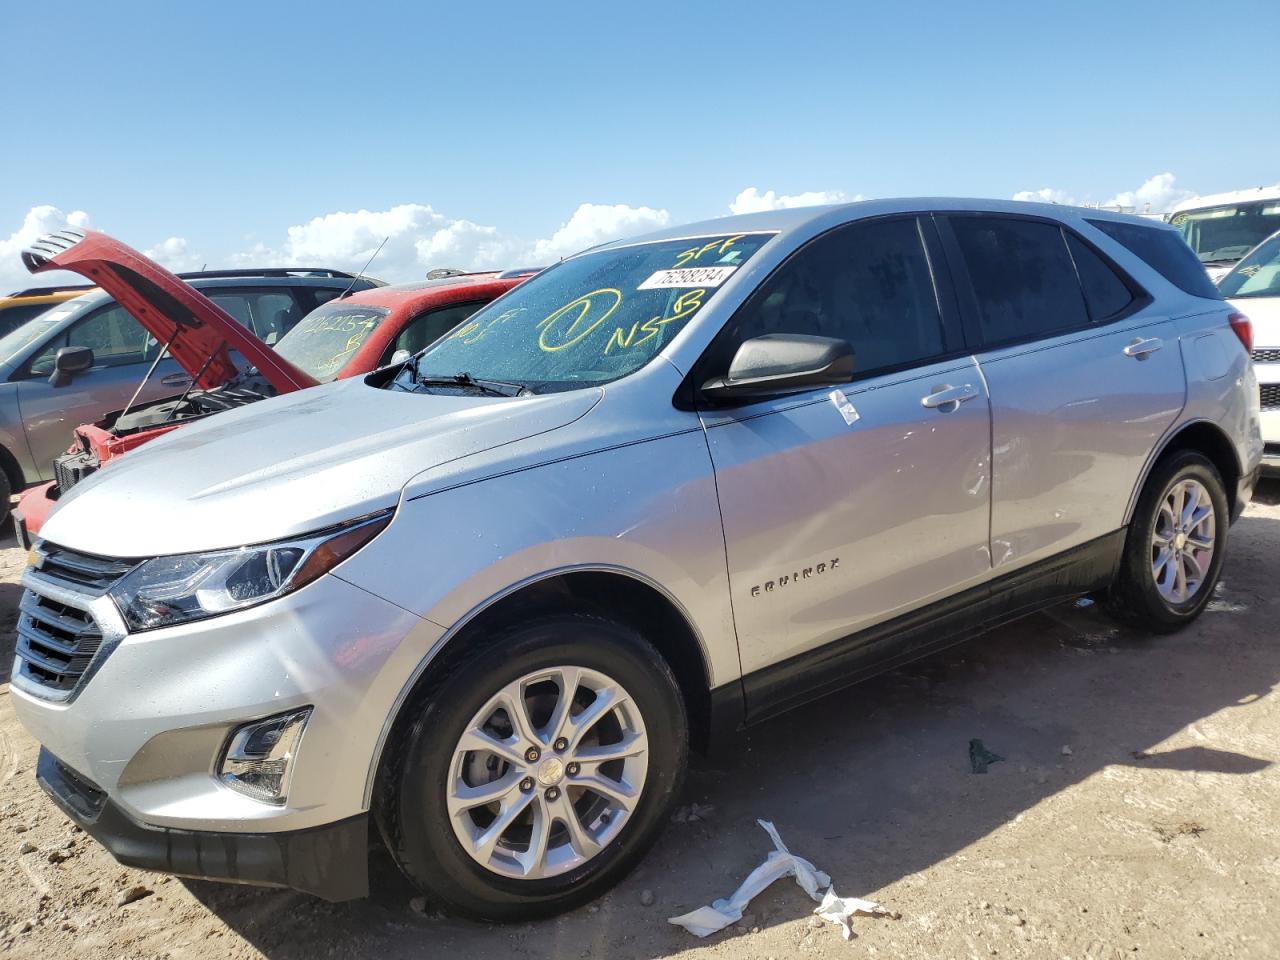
(169, 590)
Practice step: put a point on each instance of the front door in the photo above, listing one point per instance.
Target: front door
(845, 508)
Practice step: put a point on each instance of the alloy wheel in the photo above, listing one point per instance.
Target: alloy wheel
(547, 773)
(1183, 541)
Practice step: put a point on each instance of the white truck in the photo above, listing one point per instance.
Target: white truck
(1222, 227)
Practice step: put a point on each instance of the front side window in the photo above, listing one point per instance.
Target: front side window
(1022, 276)
(1225, 234)
(327, 337)
(114, 337)
(426, 328)
(865, 283)
(1257, 275)
(591, 319)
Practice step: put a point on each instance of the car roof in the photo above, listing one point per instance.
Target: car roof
(1251, 194)
(805, 219)
(444, 290)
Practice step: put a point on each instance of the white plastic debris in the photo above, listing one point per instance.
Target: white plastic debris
(841, 910)
(781, 862)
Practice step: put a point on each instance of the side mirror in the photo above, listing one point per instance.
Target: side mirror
(69, 362)
(400, 356)
(779, 363)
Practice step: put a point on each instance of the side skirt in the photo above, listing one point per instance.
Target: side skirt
(807, 676)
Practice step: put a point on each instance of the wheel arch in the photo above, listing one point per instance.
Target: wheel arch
(1204, 437)
(610, 591)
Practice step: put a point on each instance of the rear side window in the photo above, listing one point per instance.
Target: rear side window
(1165, 252)
(867, 283)
(1104, 292)
(1022, 276)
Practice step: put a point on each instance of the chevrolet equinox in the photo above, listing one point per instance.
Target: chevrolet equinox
(485, 600)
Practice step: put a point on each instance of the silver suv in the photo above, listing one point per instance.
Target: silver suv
(486, 600)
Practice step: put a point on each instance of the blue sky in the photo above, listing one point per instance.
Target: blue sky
(218, 127)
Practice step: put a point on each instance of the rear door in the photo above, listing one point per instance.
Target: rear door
(1084, 374)
(845, 508)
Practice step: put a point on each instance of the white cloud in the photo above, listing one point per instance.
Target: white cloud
(1157, 195)
(1158, 191)
(38, 221)
(174, 255)
(751, 200)
(1046, 195)
(419, 239)
(594, 223)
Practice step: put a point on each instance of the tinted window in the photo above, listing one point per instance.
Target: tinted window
(425, 329)
(1023, 278)
(867, 283)
(269, 315)
(114, 337)
(1165, 252)
(1104, 292)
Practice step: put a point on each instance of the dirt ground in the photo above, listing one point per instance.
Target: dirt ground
(1134, 813)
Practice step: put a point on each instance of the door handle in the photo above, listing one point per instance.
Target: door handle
(947, 398)
(1138, 348)
(176, 380)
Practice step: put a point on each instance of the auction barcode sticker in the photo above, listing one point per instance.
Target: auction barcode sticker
(688, 277)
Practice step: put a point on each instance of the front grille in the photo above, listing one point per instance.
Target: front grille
(1266, 355)
(58, 636)
(1269, 393)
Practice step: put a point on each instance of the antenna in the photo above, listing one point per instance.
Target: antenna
(365, 267)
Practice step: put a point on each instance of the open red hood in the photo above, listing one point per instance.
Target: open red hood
(200, 334)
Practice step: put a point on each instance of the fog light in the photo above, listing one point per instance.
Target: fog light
(258, 761)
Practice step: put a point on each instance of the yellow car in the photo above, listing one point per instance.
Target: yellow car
(17, 308)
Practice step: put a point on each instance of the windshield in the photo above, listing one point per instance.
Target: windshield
(327, 337)
(591, 319)
(38, 327)
(1228, 233)
(1257, 275)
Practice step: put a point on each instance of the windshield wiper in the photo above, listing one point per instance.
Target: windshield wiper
(494, 388)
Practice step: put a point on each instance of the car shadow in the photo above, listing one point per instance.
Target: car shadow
(872, 784)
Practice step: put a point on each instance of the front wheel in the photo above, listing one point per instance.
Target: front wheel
(1174, 550)
(539, 768)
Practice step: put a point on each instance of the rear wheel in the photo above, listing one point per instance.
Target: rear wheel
(538, 770)
(1174, 550)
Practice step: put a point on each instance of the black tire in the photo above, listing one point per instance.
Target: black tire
(1134, 597)
(411, 809)
(6, 493)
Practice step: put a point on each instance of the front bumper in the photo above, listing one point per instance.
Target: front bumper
(329, 861)
(148, 726)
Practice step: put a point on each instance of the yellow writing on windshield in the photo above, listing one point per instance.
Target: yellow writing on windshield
(696, 253)
(577, 319)
(473, 331)
(685, 304)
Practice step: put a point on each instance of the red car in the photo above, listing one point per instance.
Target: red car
(346, 337)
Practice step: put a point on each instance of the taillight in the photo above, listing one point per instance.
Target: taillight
(1243, 329)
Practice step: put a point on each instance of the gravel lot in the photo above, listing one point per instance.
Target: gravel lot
(1135, 812)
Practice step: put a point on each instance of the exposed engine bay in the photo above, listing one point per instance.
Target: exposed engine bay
(94, 444)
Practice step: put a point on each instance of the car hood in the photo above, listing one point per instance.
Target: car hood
(1264, 316)
(200, 334)
(288, 466)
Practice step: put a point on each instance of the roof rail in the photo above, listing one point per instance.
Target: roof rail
(326, 272)
(45, 291)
